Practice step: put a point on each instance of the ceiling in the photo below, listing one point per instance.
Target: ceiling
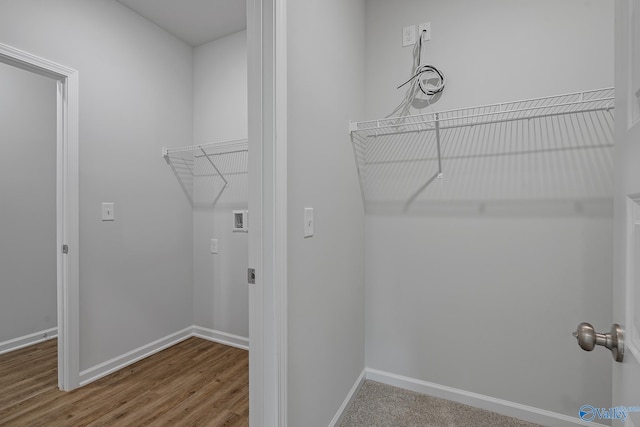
(195, 22)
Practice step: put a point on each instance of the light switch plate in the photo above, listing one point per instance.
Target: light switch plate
(308, 222)
(108, 213)
(214, 246)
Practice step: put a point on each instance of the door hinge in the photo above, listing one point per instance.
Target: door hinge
(65, 249)
(251, 276)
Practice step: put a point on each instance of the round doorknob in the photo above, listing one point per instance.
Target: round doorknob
(588, 339)
(586, 336)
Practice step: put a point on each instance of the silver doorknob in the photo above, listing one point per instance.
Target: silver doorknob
(588, 339)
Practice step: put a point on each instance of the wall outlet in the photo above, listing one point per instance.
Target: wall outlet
(425, 31)
(214, 246)
(409, 36)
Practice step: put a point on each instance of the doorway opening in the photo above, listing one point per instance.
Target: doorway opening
(66, 208)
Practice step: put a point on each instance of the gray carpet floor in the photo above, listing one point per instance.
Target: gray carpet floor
(380, 405)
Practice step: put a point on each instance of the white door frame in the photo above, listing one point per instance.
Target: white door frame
(631, 333)
(626, 375)
(67, 196)
(267, 89)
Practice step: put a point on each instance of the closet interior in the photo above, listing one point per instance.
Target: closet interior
(214, 180)
(488, 201)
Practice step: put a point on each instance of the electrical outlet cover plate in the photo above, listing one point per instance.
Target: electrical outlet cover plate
(409, 36)
(425, 31)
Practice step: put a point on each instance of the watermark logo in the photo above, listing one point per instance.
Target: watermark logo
(589, 413)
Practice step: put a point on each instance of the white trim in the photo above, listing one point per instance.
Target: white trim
(337, 418)
(280, 238)
(504, 407)
(27, 340)
(632, 341)
(266, 29)
(67, 210)
(631, 96)
(110, 366)
(259, 390)
(221, 337)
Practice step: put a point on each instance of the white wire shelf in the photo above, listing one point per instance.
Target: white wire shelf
(556, 147)
(205, 171)
(578, 102)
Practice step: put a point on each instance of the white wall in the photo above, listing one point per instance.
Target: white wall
(220, 89)
(135, 97)
(28, 192)
(220, 296)
(326, 272)
(491, 50)
(484, 300)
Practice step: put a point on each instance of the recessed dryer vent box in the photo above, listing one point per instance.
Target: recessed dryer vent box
(240, 221)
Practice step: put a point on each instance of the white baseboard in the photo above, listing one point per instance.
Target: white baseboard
(103, 369)
(221, 337)
(504, 407)
(347, 401)
(27, 340)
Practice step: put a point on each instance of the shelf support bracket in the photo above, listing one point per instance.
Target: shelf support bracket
(437, 175)
(438, 143)
(226, 183)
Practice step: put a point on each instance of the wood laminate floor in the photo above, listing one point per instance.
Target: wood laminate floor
(193, 383)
